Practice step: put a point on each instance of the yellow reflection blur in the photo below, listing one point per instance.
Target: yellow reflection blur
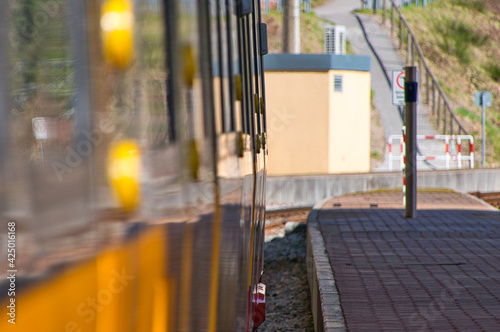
(117, 27)
(124, 172)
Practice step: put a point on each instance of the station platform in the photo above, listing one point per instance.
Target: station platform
(371, 269)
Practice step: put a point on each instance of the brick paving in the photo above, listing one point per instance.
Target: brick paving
(437, 272)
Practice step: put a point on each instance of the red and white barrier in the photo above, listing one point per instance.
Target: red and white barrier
(447, 156)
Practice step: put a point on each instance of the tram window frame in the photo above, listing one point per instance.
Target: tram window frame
(231, 65)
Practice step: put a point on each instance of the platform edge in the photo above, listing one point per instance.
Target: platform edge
(325, 302)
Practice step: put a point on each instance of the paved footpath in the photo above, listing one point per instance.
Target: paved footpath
(371, 269)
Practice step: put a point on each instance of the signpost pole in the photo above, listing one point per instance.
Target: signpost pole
(411, 96)
(483, 99)
(483, 137)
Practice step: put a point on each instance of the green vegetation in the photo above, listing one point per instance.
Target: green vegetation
(364, 11)
(461, 42)
(312, 33)
(459, 38)
(492, 128)
(494, 70)
(317, 3)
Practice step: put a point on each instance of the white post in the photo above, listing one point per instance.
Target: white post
(401, 153)
(459, 150)
(447, 155)
(389, 146)
(471, 153)
(483, 130)
(296, 18)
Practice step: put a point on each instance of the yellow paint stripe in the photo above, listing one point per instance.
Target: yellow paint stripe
(58, 304)
(187, 270)
(152, 284)
(214, 281)
(160, 307)
(253, 226)
(97, 295)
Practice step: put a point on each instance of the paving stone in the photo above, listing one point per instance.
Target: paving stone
(438, 272)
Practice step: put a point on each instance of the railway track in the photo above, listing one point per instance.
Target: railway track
(275, 218)
(490, 198)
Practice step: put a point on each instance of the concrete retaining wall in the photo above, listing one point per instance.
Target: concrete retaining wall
(295, 191)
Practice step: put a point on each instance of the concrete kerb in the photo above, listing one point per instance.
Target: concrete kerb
(325, 302)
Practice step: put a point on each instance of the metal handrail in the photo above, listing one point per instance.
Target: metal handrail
(413, 45)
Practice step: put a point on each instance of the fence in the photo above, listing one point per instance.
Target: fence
(401, 3)
(447, 156)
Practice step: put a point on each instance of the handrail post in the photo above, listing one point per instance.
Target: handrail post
(445, 120)
(427, 86)
(433, 97)
(400, 33)
(412, 53)
(420, 71)
(392, 19)
(408, 46)
(439, 111)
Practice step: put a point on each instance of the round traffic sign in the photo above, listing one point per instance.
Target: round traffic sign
(400, 80)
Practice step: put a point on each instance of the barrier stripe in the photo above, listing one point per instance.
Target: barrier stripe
(459, 158)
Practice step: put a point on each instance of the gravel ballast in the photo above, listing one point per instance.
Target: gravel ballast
(285, 275)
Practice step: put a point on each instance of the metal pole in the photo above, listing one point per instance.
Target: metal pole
(411, 96)
(287, 13)
(483, 125)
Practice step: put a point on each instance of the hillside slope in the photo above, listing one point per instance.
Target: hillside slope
(461, 41)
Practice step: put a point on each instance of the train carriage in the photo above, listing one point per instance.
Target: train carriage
(132, 165)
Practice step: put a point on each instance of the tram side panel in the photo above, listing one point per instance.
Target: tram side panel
(170, 241)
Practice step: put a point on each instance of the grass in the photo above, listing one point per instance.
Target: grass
(317, 3)
(459, 38)
(494, 71)
(364, 11)
(491, 127)
(311, 35)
